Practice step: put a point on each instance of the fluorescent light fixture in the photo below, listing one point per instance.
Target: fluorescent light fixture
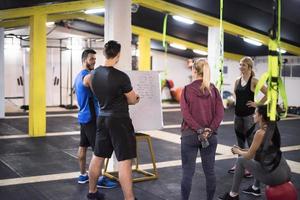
(197, 51)
(182, 19)
(178, 46)
(94, 11)
(252, 41)
(281, 50)
(49, 24)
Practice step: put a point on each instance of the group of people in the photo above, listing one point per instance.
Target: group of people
(202, 111)
(103, 95)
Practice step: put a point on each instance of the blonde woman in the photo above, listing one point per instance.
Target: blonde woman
(202, 110)
(244, 88)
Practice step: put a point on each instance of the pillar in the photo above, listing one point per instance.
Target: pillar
(37, 76)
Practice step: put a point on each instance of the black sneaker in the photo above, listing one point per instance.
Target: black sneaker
(226, 196)
(251, 191)
(96, 196)
(232, 170)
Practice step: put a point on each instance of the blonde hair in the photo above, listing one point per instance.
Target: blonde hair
(202, 68)
(249, 62)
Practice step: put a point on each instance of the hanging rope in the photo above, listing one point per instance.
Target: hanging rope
(220, 64)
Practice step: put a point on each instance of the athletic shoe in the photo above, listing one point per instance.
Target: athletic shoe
(248, 174)
(96, 196)
(82, 179)
(105, 182)
(251, 191)
(226, 196)
(232, 170)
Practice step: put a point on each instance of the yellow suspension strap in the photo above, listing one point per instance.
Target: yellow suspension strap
(165, 45)
(272, 76)
(220, 64)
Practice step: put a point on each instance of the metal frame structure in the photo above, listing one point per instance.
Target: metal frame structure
(146, 175)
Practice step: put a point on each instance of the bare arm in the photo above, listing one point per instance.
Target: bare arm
(132, 97)
(235, 84)
(87, 80)
(249, 154)
(263, 90)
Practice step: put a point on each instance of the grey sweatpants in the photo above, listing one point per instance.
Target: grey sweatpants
(244, 129)
(280, 175)
(189, 150)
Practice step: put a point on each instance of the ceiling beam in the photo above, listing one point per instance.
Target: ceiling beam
(206, 20)
(135, 30)
(51, 9)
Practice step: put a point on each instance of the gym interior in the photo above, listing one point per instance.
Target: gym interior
(41, 43)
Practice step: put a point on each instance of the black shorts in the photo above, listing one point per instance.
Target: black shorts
(88, 134)
(115, 134)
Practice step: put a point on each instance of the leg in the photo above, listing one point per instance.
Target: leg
(239, 131)
(125, 176)
(82, 159)
(189, 150)
(95, 168)
(249, 128)
(241, 164)
(208, 165)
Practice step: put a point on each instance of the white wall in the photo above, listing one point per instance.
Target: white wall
(175, 67)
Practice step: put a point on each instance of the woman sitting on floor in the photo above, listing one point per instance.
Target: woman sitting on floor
(276, 172)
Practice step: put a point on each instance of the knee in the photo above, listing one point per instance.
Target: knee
(240, 161)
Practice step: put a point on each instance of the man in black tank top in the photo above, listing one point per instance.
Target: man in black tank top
(115, 131)
(244, 87)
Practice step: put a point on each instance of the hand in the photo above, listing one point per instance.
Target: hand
(208, 129)
(235, 150)
(206, 134)
(251, 104)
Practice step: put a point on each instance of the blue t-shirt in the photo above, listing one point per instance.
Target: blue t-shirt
(87, 102)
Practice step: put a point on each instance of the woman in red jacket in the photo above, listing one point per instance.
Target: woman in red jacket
(202, 110)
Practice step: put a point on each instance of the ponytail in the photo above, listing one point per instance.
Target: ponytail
(202, 68)
(206, 78)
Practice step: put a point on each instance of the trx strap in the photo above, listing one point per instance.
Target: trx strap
(272, 76)
(165, 45)
(220, 64)
(165, 31)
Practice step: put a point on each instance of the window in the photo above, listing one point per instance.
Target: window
(286, 70)
(296, 71)
(225, 70)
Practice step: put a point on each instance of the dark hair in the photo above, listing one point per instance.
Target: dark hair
(263, 111)
(85, 54)
(111, 49)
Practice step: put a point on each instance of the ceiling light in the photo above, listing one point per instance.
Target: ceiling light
(182, 19)
(94, 11)
(197, 51)
(281, 50)
(252, 41)
(49, 24)
(178, 46)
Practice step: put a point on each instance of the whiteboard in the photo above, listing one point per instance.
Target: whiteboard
(147, 114)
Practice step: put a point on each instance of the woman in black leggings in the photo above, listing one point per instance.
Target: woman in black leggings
(275, 173)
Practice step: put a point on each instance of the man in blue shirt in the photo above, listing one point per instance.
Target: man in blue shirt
(87, 115)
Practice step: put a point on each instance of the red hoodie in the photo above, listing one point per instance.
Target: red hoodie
(201, 110)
